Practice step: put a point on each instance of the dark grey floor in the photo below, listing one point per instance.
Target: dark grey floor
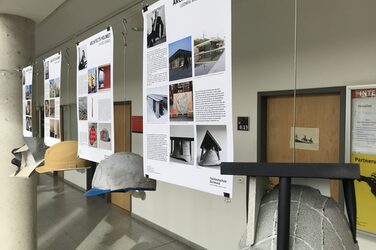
(67, 220)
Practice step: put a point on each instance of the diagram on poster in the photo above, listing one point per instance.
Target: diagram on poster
(187, 93)
(95, 115)
(52, 94)
(27, 92)
(363, 152)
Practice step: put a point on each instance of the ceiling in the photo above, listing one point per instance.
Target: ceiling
(36, 10)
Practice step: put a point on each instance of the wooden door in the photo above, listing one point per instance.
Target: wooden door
(122, 119)
(320, 111)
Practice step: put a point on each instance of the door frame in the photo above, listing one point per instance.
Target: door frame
(262, 115)
(262, 119)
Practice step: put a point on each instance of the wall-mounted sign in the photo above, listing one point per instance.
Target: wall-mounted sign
(27, 93)
(95, 112)
(187, 93)
(52, 94)
(243, 123)
(362, 150)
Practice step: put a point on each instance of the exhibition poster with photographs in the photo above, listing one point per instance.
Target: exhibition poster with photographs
(95, 114)
(363, 152)
(187, 93)
(27, 88)
(52, 93)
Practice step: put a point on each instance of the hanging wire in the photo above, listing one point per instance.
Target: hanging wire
(67, 57)
(295, 71)
(124, 32)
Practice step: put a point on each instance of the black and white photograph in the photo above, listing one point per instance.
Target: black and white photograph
(305, 138)
(209, 54)
(28, 108)
(156, 27)
(82, 55)
(46, 70)
(52, 108)
(82, 108)
(105, 136)
(182, 144)
(157, 108)
(180, 59)
(47, 108)
(181, 102)
(211, 145)
(28, 123)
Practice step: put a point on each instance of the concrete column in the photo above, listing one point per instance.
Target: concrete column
(18, 196)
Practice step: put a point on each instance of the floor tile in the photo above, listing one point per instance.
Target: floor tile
(68, 220)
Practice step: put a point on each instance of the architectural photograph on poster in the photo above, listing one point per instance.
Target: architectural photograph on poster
(82, 55)
(52, 108)
(46, 70)
(211, 143)
(28, 108)
(157, 104)
(182, 144)
(28, 124)
(54, 129)
(180, 59)
(104, 77)
(209, 55)
(181, 101)
(28, 91)
(156, 27)
(55, 88)
(92, 81)
(47, 108)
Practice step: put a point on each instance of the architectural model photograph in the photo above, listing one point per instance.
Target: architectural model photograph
(157, 104)
(182, 144)
(211, 141)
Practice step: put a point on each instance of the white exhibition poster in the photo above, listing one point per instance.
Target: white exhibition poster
(52, 94)
(363, 122)
(187, 93)
(95, 112)
(27, 91)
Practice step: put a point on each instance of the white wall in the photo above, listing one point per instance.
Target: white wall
(336, 46)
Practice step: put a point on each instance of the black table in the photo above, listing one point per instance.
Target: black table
(285, 171)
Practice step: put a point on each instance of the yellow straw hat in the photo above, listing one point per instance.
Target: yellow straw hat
(62, 157)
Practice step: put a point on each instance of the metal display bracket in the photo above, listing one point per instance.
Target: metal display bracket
(347, 172)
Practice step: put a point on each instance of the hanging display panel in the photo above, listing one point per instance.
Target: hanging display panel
(187, 93)
(95, 114)
(52, 94)
(27, 93)
(362, 150)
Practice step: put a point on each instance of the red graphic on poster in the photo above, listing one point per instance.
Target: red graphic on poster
(93, 135)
